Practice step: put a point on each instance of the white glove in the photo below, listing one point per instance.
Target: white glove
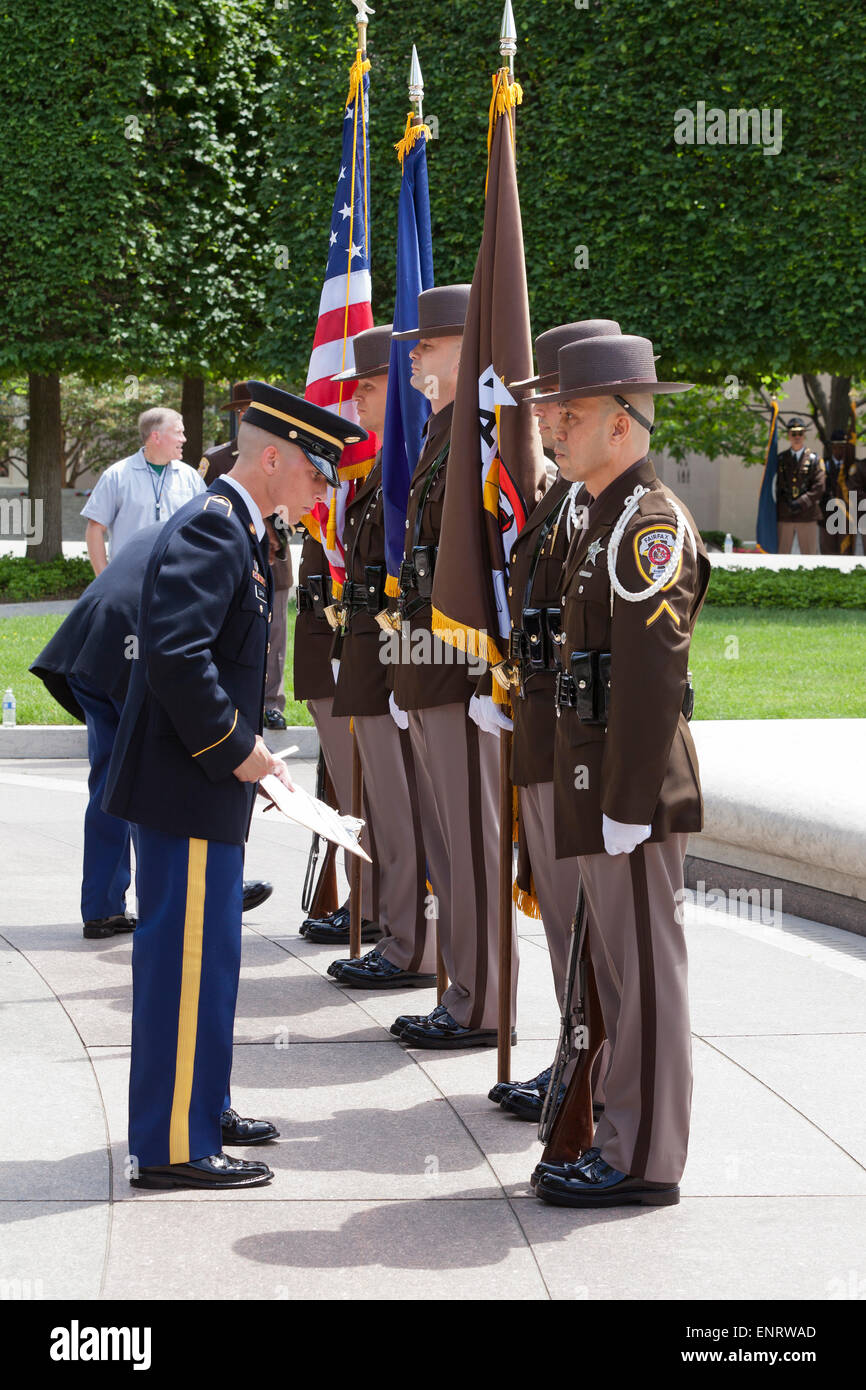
(487, 714)
(400, 718)
(335, 667)
(620, 838)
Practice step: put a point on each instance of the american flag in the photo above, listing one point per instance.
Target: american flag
(345, 308)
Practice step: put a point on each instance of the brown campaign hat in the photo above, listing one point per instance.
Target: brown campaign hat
(547, 347)
(240, 397)
(372, 354)
(603, 366)
(441, 313)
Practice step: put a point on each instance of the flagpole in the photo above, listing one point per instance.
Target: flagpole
(355, 881)
(507, 49)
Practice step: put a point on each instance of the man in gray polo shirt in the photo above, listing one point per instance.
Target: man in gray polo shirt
(149, 486)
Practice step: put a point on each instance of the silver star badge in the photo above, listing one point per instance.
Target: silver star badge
(595, 549)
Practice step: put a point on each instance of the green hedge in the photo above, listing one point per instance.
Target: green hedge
(799, 588)
(23, 580)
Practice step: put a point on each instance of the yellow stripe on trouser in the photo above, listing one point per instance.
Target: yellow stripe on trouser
(187, 1019)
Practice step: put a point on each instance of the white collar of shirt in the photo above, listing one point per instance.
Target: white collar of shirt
(255, 514)
(139, 461)
(798, 453)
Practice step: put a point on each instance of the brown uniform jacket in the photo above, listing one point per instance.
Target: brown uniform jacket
(642, 768)
(444, 679)
(804, 480)
(535, 714)
(362, 686)
(312, 675)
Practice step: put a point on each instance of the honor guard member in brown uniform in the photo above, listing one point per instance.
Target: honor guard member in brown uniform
(546, 886)
(834, 537)
(800, 486)
(314, 682)
(626, 784)
(456, 762)
(186, 760)
(214, 463)
(406, 955)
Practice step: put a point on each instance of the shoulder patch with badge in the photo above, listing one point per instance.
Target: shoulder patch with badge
(203, 467)
(653, 548)
(217, 499)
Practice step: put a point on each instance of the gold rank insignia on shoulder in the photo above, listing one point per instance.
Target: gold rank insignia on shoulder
(219, 501)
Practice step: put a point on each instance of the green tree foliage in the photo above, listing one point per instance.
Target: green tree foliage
(733, 261)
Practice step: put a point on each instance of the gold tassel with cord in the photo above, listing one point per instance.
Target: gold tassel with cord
(411, 136)
(392, 586)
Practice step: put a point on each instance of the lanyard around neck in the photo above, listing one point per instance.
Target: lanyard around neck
(157, 491)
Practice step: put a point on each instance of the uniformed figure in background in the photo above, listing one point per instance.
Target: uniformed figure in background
(457, 763)
(405, 957)
(86, 668)
(833, 534)
(800, 484)
(215, 462)
(546, 886)
(186, 761)
(626, 785)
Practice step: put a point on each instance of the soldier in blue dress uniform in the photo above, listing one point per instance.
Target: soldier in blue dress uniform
(187, 758)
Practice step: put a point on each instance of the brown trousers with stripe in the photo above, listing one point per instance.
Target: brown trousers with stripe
(391, 793)
(335, 736)
(457, 768)
(639, 957)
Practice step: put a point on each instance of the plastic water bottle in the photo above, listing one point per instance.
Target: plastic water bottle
(9, 709)
(729, 544)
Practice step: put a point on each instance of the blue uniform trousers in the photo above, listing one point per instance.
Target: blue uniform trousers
(106, 875)
(186, 956)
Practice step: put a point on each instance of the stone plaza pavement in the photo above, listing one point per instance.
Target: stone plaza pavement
(395, 1176)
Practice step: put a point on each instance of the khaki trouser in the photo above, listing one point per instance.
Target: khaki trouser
(457, 766)
(391, 794)
(275, 695)
(639, 957)
(807, 535)
(336, 740)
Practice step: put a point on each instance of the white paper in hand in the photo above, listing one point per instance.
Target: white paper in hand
(297, 805)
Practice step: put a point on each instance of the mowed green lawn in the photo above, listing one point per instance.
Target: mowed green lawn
(21, 640)
(747, 663)
(779, 663)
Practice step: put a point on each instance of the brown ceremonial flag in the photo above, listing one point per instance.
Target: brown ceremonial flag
(496, 466)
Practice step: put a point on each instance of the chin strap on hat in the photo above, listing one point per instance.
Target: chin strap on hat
(635, 414)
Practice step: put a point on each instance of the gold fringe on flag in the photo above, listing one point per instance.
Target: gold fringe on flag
(527, 903)
(411, 136)
(392, 586)
(465, 639)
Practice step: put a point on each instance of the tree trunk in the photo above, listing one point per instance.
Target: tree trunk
(44, 464)
(830, 412)
(192, 410)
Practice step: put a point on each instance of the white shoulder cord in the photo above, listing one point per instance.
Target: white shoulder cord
(632, 503)
(572, 519)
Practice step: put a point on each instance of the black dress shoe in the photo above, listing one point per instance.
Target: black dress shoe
(527, 1104)
(256, 892)
(239, 1131)
(403, 1020)
(445, 1033)
(274, 720)
(219, 1170)
(591, 1182)
(502, 1089)
(334, 930)
(109, 926)
(373, 971)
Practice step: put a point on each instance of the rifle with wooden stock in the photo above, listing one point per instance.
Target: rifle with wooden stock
(566, 1129)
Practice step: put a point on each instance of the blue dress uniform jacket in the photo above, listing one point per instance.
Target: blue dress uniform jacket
(196, 697)
(92, 645)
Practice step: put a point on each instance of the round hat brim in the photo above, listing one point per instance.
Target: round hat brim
(448, 330)
(548, 379)
(613, 388)
(353, 375)
(235, 405)
(329, 471)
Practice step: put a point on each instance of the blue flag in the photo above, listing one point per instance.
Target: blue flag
(767, 529)
(401, 444)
